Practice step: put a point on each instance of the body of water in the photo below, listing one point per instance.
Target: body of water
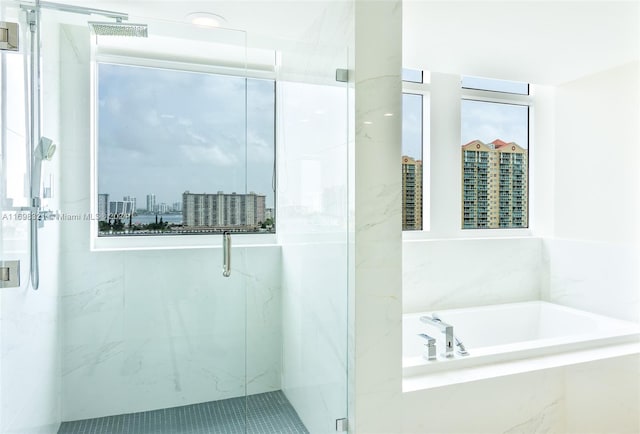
(145, 219)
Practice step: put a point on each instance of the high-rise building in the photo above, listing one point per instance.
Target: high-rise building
(151, 203)
(223, 209)
(120, 209)
(494, 185)
(103, 207)
(411, 193)
(133, 203)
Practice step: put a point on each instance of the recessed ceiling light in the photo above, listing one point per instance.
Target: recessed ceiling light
(206, 19)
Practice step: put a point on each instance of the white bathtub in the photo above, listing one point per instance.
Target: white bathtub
(511, 332)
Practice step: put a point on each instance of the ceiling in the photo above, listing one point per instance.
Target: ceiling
(538, 41)
(543, 42)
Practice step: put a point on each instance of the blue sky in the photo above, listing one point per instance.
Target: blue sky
(488, 121)
(165, 131)
(485, 121)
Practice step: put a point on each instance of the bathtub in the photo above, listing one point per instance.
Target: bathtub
(508, 334)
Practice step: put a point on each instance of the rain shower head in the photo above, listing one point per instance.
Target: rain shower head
(119, 28)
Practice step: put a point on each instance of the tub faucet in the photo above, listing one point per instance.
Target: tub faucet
(461, 348)
(446, 329)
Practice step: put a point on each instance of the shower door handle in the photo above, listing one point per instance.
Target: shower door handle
(226, 254)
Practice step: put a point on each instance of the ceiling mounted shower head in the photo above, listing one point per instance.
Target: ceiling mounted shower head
(118, 29)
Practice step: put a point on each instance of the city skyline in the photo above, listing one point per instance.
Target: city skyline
(175, 206)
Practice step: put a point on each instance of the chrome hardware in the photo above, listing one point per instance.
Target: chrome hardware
(342, 75)
(461, 348)
(430, 346)
(9, 274)
(226, 254)
(445, 328)
(9, 36)
(342, 425)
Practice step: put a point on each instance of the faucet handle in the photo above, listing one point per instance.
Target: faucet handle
(430, 353)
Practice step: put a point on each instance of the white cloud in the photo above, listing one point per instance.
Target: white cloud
(211, 154)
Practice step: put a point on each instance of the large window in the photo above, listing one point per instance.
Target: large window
(494, 161)
(181, 152)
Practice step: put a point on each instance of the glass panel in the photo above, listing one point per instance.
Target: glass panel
(495, 85)
(495, 167)
(412, 173)
(261, 149)
(313, 160)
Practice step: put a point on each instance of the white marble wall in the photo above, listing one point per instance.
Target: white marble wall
(156, 329)
(29, 379)
(594, 255)
(595, 397)
(29, 375)
(595, 276)
(452, 273)
(376, 298)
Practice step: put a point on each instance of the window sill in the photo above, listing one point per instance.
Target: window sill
(177, 242)
(467, 234)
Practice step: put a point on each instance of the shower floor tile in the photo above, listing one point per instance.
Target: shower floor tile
(267, 413)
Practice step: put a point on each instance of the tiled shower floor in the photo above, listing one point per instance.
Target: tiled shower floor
(266, 413)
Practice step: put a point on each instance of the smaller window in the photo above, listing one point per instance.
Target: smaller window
(412, 75)
(494, 85)
(412, 168)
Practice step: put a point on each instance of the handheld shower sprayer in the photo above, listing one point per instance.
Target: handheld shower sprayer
(43, 152)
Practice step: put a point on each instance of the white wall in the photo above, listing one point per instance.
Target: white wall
(452, 273)
(29, 379)
(594, 253)
(158, 328)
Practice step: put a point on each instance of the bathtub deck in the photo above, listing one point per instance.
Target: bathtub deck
(267, 413)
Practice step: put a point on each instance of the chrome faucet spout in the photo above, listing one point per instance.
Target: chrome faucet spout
(446, 329)
(461, 348)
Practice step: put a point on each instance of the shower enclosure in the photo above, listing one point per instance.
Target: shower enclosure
(144, 333)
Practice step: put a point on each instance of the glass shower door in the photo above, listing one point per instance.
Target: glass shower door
(149, 321)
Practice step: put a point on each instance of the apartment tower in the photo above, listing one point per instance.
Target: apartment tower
(411, 193)
(494, 185)
(222, 209)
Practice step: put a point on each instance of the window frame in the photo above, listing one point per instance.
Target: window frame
(424, 90)
(513, 99)
(428, 233)
(162, 242)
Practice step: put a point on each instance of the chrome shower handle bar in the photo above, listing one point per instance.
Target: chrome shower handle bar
(226, 254)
